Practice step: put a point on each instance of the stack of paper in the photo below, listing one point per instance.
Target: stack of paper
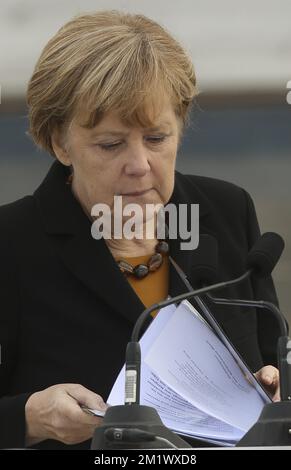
(197, 386)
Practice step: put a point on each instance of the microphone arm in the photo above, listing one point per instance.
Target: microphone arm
(254, 303)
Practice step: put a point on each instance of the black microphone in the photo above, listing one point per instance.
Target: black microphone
(265, 254)
(132, 373)
(261, 259)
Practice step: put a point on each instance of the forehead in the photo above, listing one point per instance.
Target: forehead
(148, 115)
(113, 120)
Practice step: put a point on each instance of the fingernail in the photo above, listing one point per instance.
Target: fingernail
(268, 379)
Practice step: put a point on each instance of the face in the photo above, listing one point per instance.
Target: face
(113, 159)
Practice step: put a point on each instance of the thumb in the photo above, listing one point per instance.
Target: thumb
(86, 397)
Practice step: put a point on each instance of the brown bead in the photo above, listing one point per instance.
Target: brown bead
(125, 267)
(162, 247)
(155, 262)
(140, 271)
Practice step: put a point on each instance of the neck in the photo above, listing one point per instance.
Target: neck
(143, 242)
(124, 248)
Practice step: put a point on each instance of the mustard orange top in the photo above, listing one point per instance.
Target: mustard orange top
(155, 286)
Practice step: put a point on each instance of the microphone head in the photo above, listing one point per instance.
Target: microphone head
(205, 261)
(265, 254)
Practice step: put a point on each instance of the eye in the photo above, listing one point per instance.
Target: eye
(110, 146)
(156, 139)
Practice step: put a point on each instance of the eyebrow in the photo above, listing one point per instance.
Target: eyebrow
(109, 133)
(122, 134)
(159, 127)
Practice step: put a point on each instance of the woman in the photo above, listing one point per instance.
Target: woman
(109, 99)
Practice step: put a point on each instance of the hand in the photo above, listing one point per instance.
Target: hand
(268, 376)
(55, 413)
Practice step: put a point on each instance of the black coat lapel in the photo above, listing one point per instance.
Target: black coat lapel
(90, 260)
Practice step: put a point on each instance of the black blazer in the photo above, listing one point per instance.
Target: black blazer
(67, 312)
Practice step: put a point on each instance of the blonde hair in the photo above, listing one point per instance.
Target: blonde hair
(107, 61)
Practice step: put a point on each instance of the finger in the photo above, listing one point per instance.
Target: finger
(268, 375)
(277, 397)
(86, 397)
(277, 394)
(72, 411)
(94, 412)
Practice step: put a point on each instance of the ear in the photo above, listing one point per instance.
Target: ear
(59, 147)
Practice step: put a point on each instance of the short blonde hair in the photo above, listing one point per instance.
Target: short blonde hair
(107, 61)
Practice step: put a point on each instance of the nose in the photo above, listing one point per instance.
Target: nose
(137, 162)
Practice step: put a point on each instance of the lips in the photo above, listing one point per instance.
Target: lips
(137, 193)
